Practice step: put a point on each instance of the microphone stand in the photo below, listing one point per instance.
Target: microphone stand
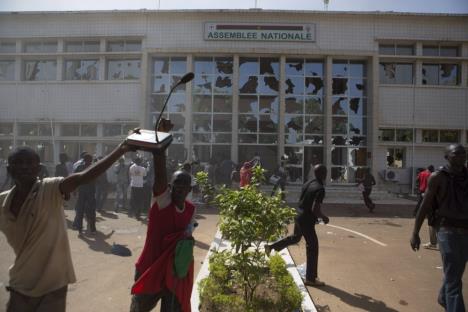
(186, 78)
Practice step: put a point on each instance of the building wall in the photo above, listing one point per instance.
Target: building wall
(345, 36)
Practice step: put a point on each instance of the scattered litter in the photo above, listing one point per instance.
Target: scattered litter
(139, 236)
(330, 233)
(392, 279)
(439, 267)
(301, 269)
(120, 250)
(403, 302)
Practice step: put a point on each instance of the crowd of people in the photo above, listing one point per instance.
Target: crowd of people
(32, 218)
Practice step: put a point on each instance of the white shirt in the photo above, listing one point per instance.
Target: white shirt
(136, 175)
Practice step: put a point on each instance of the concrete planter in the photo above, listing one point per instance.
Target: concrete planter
(219, 244)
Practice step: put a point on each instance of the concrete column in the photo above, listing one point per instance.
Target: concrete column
(282, 108)
(327, 109)
(188, 111)
(60, 60)
(373, 113)
(102, 60)
(417, 78)
(235, 110)
(145, 82)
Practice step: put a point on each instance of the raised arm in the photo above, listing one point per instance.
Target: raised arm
(426, 205)
(159, 159)
(71, 183)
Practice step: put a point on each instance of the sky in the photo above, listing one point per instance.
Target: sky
(424, 6)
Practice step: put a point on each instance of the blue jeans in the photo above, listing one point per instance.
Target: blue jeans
(453, 245)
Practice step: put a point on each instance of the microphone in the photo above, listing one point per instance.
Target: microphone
(186, 78)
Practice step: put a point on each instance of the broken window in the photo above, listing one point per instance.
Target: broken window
(396, 73)
(441, 74)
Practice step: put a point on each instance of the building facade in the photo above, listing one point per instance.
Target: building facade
(385, 91)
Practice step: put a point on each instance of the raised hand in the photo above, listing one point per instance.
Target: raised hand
(165, 125)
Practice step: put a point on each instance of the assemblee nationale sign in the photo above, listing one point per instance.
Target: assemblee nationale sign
(260, 32)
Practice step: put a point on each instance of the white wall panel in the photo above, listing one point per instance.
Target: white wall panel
(71, 102)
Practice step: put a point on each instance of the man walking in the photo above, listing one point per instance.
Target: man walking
(309, 212)
(423, 178)
(137, 173)
(367, 182)
(446, 202)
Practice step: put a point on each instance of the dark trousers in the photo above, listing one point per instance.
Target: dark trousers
(304, 226)
(101, 196)
(136, 201)
(54, 301)
(147, 302)
(367, 200)
(85, 206)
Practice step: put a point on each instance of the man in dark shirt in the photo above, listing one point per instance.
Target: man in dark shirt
(308, 213)
(367, 182)
(446, 201)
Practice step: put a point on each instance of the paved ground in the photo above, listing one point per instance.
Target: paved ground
(361, 274)
(104, 280)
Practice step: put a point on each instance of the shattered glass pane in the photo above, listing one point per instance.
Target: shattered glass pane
(161, 65)
(293, 124)
(340, 106)
(269, 66)
(357, 126)
(223, 85)
(339, 156)
(248, 84)
(357, 106)
(340, 86)
(293, 105)
(248, 104)
(357, 87)
(202, 84)
(294, 67)
(340, 125)
(313, 105)
(222, 103)
(357, 157)
(178, 65)
(270, 85)
(201, 103)
(203, 65)
(248, 67)
(314, 124)
(313, 68)
(247, 138)
(340, 69)
(247, 123)
(201, 123)
(161, 84)
(222, 123)
(430, 74)
(269, 104)
(314, 85)
(224, 65)
(357, 69)
(294, 85)
(449, 74)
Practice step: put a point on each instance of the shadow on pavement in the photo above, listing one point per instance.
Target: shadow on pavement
(97, 241)
(360, 301)
(108, 215)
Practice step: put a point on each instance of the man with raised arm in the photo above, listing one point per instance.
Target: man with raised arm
(446, 203)
(33, 221)
(171, 220)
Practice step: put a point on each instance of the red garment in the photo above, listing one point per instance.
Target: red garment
(245, 174)
(423, 177)
(160, 275)
(165, 227)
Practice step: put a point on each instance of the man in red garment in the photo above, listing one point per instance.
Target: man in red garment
(423, 178)
(171, 219)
